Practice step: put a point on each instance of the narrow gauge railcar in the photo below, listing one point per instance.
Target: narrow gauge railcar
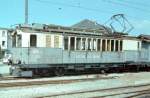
(49, 48)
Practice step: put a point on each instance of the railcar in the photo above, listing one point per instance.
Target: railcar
(55, 49)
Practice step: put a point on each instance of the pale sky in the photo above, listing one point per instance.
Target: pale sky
(69, 12)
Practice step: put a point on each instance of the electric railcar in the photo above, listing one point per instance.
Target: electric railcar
(55, 49)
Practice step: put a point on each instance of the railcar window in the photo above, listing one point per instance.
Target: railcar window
(33, 40)
(89, 44)
(116, 47)
(94, 44)
(56, 41)
(121, 45)
(66, 43)
(48, 40)
(78, 43)
(112, 45)
(83, 43)
(108, 45)
(103, 45)
(98, 44)
(72, 43)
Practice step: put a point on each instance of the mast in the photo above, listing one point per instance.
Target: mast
(26, 11)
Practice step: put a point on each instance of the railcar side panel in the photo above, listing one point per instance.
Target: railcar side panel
(59, 56)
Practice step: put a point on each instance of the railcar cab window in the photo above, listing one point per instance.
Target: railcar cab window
(33, 40)
(17, 40)
(14, 41)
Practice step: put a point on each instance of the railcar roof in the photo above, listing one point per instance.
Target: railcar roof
(57, 28)
(9, 29)
(102, 33)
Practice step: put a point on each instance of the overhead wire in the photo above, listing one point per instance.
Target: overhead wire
(104, 11)
(74, 6)
(82, 7)
(127, 5)
(141, 4)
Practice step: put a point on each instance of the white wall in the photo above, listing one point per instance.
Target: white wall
(52, 41)
(61, 38)
(41, 39)
(3, 38)
(25, 38)
(131, 45)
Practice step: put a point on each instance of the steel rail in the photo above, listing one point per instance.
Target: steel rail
(104, 90)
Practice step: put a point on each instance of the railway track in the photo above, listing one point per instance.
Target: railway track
(142, 94)
(120, 92)
(31, 83)
(10, 78)
(79, 87)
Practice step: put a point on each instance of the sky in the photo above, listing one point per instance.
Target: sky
(69, 12)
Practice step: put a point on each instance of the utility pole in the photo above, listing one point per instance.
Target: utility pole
(26, 11)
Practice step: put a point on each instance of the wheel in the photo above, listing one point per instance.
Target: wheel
(60, 71)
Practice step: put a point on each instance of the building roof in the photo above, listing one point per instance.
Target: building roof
(144, 37)
(88, 24)
(58, 28)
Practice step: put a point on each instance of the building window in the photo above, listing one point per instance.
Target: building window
(33, 40)
(3, 43)
(3, 33)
